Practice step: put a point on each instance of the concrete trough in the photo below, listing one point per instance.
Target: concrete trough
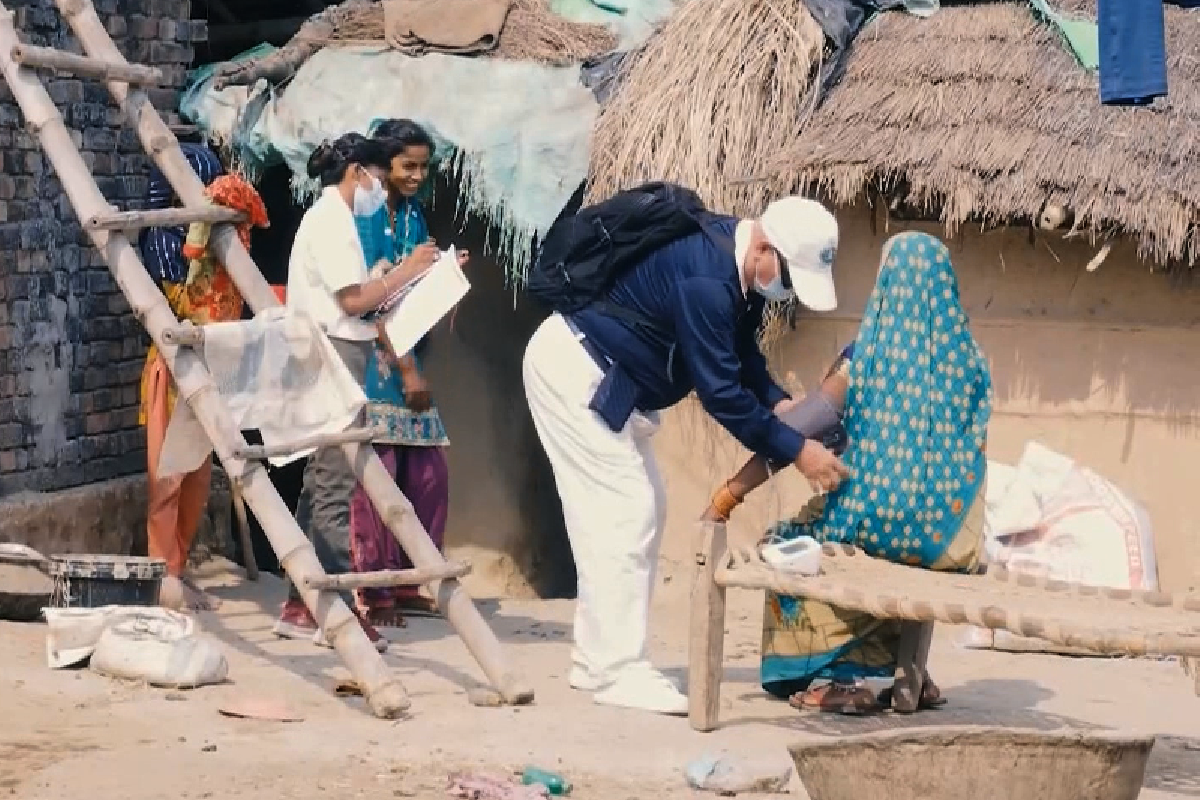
(954, 763)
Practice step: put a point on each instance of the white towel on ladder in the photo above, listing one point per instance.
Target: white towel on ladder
(276, 373)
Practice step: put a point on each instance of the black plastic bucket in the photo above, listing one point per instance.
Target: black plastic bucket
(88, 581)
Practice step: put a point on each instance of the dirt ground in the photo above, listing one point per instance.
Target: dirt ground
(73, 734)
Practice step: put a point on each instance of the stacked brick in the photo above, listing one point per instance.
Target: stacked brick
(70, 350)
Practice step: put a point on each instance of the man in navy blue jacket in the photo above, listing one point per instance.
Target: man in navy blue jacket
(596, 381)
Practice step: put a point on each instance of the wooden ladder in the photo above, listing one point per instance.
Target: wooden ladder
(107, 228)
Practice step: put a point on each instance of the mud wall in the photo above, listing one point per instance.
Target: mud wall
(1099, 366)
(504, 513)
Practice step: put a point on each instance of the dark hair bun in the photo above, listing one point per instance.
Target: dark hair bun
(324, 159)
(330, 160)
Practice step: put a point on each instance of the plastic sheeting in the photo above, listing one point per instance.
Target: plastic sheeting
(603, 74)
(632, 20)
(520, 131)
(841, 20)
(1051, 517)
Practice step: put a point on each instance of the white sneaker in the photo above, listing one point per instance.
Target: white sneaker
(584, 681)
(646, 690)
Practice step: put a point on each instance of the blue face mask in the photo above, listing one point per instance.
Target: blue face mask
(774, 290)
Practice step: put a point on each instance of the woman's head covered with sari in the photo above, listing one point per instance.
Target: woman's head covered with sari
(917, 410)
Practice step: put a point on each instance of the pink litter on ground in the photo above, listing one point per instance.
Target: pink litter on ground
(487, 787)
(260, 708)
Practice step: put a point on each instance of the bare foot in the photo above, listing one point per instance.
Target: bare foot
(171, 593)
(198, 599)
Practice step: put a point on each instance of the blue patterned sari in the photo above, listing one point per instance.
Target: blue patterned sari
(384, 387)
(917, 409)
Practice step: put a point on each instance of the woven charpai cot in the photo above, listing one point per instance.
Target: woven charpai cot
(1107, 621)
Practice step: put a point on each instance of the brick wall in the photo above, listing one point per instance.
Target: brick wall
(70, 351)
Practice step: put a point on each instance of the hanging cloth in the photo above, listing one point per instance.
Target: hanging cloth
(1133, 52)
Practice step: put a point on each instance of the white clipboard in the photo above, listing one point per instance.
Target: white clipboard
(424, 302)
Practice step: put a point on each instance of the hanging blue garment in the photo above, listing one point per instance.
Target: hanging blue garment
(1133, 52)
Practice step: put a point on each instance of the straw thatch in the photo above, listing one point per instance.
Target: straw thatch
(981, 112)
(978, 113)
(532, 32)
(722, 87)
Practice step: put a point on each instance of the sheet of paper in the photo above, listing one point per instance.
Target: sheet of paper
(429, 299)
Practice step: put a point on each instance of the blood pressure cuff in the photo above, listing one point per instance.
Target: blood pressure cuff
(816, 417)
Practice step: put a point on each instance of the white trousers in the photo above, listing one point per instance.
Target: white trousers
(612, 498)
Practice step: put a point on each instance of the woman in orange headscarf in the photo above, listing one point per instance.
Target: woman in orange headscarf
(206, 294)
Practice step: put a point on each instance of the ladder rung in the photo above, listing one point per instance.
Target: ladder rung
(34, 57)
(258, 452)
(164, 217)
(185, 335)
(391, 577)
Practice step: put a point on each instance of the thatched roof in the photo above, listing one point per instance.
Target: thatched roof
(715, 93)
(981, 112)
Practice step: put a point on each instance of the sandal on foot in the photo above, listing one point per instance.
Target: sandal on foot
(386, 617)
(418, 606)
(931, 697)
(837, 698)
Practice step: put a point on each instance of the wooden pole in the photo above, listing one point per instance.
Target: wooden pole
(261, 451)
(243, 523)
(185, 334)
(164, 217)
(387, 498)
(283, 63)
(34, 57)
(384, 692)
(390, 577)
(912, 671)
(706, 629)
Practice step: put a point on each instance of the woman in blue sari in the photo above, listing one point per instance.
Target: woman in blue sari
(917, 397)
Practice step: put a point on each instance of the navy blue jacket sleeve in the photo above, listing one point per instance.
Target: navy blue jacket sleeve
(706, 332)
(755, 375)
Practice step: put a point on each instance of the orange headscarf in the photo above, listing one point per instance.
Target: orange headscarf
(234, 191)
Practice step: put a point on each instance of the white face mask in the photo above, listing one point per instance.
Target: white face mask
(775, 290)
(368, 201)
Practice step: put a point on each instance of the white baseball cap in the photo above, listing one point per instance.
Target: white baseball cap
(806, 236)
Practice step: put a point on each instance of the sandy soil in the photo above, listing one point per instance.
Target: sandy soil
(73, 734)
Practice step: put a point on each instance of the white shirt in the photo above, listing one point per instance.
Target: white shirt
(326, 258)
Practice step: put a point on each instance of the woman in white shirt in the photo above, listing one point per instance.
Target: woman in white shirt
(328, 280)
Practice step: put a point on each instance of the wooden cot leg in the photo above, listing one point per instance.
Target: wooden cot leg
(1191, 666)
(706, 640)
(911, 666)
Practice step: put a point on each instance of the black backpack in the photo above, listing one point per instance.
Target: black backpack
(583, 254)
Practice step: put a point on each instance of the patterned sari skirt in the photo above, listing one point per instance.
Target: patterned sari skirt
(807, 640)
